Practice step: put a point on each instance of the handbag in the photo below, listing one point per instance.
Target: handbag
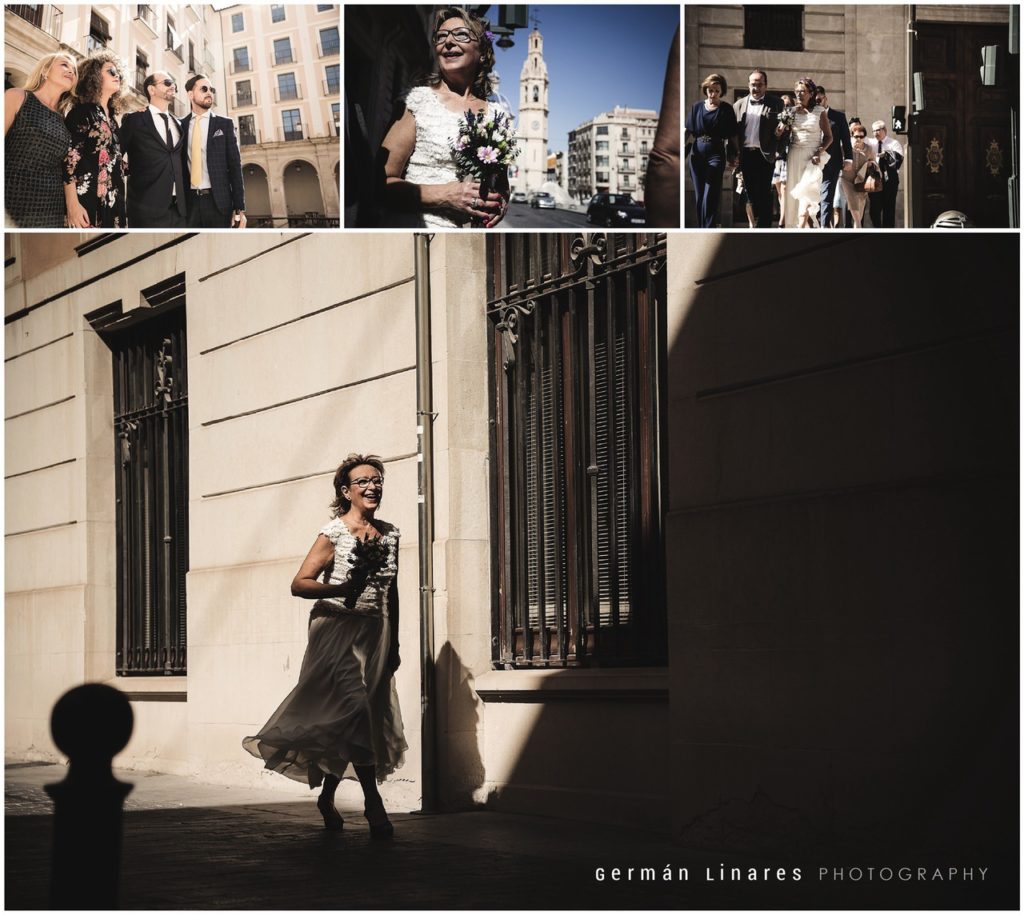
(872, 180)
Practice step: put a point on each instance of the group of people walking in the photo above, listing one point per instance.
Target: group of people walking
(823, 168)
(74, 159)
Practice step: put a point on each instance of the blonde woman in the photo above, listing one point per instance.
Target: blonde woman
(36, 143)
(95, 163)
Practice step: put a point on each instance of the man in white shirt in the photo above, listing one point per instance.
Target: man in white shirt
(152, 140)
(756, 117)
(211, 162)
(889, 154)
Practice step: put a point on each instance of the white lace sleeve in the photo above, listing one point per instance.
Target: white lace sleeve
(333, 530)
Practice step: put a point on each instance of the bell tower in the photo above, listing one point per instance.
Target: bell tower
(533, 116)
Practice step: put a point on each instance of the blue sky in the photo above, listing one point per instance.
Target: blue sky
(597, 56)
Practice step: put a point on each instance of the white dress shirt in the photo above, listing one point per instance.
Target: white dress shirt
(201, 121)
(158, 120)
(752, 125)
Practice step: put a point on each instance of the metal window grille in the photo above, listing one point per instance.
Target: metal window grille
(151, 454)
(772, 27)
(575, 361)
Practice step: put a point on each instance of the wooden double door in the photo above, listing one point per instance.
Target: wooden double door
(962, 150)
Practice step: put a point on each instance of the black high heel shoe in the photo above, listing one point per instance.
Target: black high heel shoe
(380, 825)
(332, 819)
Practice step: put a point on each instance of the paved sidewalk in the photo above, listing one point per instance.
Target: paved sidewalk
(190, 845)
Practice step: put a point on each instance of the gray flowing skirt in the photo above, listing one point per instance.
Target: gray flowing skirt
(343, 711)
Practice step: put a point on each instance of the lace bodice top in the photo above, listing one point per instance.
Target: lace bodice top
(374, 599)
(431, 160)
(806, 129)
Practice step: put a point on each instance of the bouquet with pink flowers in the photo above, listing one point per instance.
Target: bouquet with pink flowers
(484, 148)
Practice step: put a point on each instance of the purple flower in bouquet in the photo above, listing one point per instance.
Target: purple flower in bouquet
(488, 155)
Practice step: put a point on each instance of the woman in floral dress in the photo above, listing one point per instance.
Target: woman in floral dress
(94, 186)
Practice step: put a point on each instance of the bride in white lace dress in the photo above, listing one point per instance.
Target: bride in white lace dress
(422, 187)
(344, 710)
(811, 135)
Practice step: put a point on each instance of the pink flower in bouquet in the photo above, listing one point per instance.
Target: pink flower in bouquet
(462, 142)
(104, 157)
(488, 155)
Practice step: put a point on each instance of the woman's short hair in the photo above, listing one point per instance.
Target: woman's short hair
(711, 79)
(807, 83)
(341, 504)
(90, 80)
(482, 86)
(37, 77)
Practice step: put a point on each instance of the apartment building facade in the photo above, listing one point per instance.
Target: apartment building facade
(608, 154)
(284, 92)
(179, 39)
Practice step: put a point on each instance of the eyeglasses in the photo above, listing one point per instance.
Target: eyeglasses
(209, 89)
(364, 482)
(168, 82)
(460, 35)
(114, 73)
(859, 136)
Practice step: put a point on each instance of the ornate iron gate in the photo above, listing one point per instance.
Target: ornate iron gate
(575, 368)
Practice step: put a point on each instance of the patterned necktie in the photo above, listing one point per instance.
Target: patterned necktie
(167, 128)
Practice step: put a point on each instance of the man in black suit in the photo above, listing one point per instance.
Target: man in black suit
(889, 155)
(152, 140)
(840, 157)
(212, 164)
(756, 119)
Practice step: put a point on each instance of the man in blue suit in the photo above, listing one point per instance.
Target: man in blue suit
(211, 163)
(840, 157)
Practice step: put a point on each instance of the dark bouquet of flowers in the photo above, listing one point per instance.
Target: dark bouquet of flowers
(369, 555)
(484, 148)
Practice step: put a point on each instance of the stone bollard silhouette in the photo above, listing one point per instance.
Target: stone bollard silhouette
(90, 724)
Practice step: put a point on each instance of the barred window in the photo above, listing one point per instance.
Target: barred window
(576, 354)
(770, 27)
(151, 459)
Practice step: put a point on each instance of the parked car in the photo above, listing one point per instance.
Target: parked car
(542, 200)
(616, 210)
(518, 197)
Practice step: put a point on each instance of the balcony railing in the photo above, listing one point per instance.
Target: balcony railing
(288, 135)
(240, 66)
(285, 57)
(311, 220)
(147, 16)
(249, 139)
(243, 100)
(208, 62)
(41, 15)
(328, 48)
(287, 94)
(331, 86)
(96, 43)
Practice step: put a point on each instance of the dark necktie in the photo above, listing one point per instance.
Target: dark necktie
(167, 127)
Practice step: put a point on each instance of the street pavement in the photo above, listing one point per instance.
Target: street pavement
(190, 845)
(522, 216)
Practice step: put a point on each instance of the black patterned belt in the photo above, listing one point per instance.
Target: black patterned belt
(708, 139)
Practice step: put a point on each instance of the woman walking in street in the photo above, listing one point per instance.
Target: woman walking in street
(343, 714)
